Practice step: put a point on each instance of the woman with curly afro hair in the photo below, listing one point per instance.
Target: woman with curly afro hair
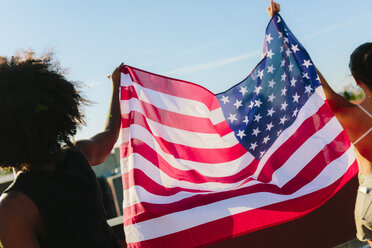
(54, 200)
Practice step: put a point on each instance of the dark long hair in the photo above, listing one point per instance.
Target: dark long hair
(361, 63)
(39, 109)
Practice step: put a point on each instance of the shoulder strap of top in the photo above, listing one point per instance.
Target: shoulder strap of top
(369, 130)
(364, 110)
(364, 135)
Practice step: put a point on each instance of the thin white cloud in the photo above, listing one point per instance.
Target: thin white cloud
(93, 83)
(327, 30)
(334, 27)
(188, 52)
(214, 64)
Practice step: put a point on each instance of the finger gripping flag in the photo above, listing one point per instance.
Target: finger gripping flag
(199, 167)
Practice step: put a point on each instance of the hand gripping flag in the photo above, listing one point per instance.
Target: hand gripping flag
(199, 167)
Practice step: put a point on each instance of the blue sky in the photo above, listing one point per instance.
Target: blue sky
(213, 43)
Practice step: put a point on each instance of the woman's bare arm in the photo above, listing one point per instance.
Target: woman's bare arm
(97, 148)
(335, 101)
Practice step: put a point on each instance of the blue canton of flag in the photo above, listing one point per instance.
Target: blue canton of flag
(267, 102)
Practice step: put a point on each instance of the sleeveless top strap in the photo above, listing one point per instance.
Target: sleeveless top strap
(364, 135)
(364, 110)
(369, 130)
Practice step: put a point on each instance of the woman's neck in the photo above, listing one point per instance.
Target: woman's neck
(367, 95)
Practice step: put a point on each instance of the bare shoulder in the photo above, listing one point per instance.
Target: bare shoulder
(353, 120)
(19, 220)
(15, 205)
(11, 202)
(355, 115)
(357, 124)
(87, 148)
(95, 149)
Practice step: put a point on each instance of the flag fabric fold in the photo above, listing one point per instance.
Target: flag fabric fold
(198, 168)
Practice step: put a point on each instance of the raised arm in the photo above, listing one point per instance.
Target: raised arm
(335, 101)
(97, 148)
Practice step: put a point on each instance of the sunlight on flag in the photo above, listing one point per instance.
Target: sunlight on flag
(199, 167)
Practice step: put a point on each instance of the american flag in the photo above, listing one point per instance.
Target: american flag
(199, 167)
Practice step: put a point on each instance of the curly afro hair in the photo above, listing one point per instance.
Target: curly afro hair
(39, 110)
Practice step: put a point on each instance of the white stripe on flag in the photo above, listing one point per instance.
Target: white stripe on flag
(171, 103)
(187, 138)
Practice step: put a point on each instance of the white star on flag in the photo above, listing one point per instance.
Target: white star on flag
(238, 104)
(271, 97)
(284, 105)
(257, 103)
(308, 89)
(307, 63)
(270, 54)
(270, 69)
(296, 97)
(269, 126)
(232, 118)
(225, 99)
(266, 139)
(305, 75)
(257, 117)
(253, 145)
(243, 90)
(256, 131)
(293, 82)
(268, 38)
(283, 77)
(260, 74)
(270, 112)
(284, 91)
(290, 67)
(288, 52)
(241, 134)
(257, 89)
(295, 112)
(282, 120)
(295, 48)
(272, 83)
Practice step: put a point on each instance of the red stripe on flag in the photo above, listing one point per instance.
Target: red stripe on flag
(174, 87)
(128, 92)
(223, 128)
(176, 120)
(152, 186)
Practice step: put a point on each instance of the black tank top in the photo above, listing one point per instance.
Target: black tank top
(70, 203)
